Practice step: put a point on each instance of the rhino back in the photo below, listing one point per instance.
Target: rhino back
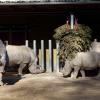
(18, 54)
(87, 60)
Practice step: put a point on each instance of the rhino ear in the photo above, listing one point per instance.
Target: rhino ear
(1, 44)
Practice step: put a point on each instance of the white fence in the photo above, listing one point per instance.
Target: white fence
(48, 57)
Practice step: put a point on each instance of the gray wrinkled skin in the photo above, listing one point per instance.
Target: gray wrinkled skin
(22, 56)
(83, 60)
(18, 55)
(2, 60)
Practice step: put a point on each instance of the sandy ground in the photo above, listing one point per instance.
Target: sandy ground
(49, 86)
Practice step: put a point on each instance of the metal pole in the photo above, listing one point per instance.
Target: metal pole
(57, 64)
(26, 43)
(49, 68)
(72, 21)
(42, 53)
(34, 47)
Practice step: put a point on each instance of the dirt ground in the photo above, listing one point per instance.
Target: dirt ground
(49, 86)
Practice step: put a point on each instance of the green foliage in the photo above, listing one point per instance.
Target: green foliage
(72, 41)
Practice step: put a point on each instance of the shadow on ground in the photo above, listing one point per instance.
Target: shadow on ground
(11, 79)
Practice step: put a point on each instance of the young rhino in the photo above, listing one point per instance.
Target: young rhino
(82, 61)
(18, 55)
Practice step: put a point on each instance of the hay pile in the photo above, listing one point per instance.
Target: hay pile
(72, 40)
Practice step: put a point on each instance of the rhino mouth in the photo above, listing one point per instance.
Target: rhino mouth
(36, 69)
(67, 73)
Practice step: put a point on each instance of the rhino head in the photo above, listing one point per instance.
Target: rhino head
(36, 69)
(67, 68)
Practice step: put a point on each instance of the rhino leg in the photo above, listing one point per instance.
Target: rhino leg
(82, 73)
(1, 74)
(20, 69)
(1, 83)
(75, 73)
(72, 74)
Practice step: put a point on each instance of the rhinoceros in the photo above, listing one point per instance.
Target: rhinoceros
(95, 46)
(23, 56)
(82, 61)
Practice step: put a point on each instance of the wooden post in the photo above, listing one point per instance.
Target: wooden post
(42, 53)
(49, 68)
(26, 43)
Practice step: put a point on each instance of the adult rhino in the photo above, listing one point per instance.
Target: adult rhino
(23, 56)
(82, 61)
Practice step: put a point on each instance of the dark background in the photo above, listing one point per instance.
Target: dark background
(21, 22)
